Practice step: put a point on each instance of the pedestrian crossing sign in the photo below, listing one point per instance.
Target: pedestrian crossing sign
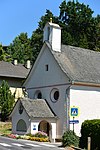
(74, 111)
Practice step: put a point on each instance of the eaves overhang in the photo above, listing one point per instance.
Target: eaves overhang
(11, 76)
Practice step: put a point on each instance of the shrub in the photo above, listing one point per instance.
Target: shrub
(90, 128)
(40, 134)
(26, 137)
(12, 136)
(39, 139)
(69, 138)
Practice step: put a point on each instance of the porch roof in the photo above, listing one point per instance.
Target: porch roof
(37, 108)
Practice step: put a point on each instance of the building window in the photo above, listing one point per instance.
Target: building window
(46, 67)
(54, 95)
(21, 126)
(38, 95)
(20, 108)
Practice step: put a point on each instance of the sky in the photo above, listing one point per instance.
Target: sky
(17, 16)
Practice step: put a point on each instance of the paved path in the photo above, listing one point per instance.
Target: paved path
(13, 144)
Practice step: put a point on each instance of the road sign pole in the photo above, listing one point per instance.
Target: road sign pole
(74, 112)
(73, 125)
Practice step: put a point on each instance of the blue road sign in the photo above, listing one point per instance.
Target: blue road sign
(74, 121)
(74, 111)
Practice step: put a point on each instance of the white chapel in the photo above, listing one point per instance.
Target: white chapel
(63, 84)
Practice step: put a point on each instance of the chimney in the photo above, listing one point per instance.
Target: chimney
(52, 34)
(15, 62)
(28, 66)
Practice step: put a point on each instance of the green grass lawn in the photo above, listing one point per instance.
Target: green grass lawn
(5, 128)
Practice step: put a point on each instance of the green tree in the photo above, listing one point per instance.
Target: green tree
(6, 100)
(77, 21)
(97, 37)
(20, 48)
(79, 28)
(3, 55)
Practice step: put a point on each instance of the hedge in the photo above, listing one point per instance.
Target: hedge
(90, 128)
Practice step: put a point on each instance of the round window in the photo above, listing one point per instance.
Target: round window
(54, 95)
(38, 94)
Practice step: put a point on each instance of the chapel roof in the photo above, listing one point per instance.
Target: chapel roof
(37, 108)
(8, 69)
(79, 64)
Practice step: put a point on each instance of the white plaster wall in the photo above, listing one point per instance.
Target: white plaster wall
(51, 121)
(88, 101)
(16, 117)
(58, 108)
(53, 131)
(19, 92)
(34, 127)
(56, 39)
(40, 77)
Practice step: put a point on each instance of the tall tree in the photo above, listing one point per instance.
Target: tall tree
(78, 23)
(20, 48)
(97, 37)
(6, 101)
(3, 55)
(79, 28)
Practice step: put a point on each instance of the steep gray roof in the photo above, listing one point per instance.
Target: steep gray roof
(81, 65)
(8, 69)
(37, 108)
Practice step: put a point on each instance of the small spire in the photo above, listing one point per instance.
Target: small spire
(51, 20)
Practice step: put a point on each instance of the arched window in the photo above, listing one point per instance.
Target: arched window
(21, 126)
(20, 108)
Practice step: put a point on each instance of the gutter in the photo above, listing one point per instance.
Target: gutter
(85, 84)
